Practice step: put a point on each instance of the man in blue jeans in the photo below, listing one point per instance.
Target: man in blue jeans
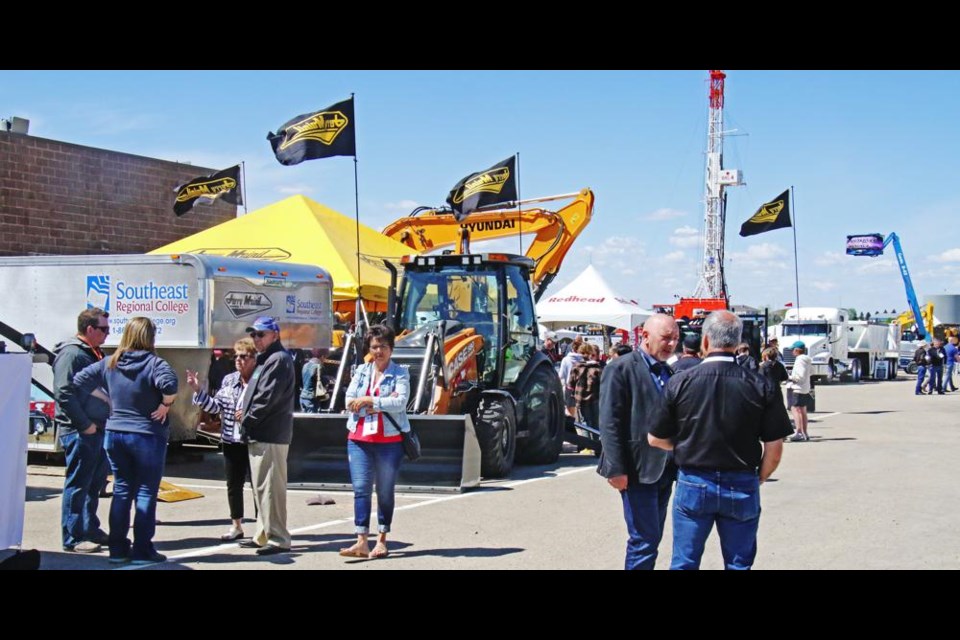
(631, 398)
(80, 422)
(950, 354)
(717, 415)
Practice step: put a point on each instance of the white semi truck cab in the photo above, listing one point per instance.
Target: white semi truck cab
(840, 347)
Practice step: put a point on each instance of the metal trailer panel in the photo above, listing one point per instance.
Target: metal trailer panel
(450, 461)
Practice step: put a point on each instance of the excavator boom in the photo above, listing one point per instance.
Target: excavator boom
(554, 231)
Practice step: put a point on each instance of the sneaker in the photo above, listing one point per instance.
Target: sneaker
(151, 559)
(233, 533)
(797, 437)
(84, 547)
(99, 536)
(806, 437)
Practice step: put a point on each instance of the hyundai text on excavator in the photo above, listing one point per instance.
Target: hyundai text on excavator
(482, 393)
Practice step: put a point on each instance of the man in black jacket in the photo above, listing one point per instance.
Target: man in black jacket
(266, 420)
(80, 424)
(631, 398)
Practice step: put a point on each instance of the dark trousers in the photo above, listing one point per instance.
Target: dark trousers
(645, 511)
(86, 475)
(936, 378)
(236, 465)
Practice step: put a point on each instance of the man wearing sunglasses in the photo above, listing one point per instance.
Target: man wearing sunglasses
(266, 420)
(80, 422)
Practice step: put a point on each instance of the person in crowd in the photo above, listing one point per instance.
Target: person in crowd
(571, 347)
(377, 401)
(585, 382)
(550, 347)
(744, 359)
(725, 428)
(266, 420)
(572, 359)
(774, 343)
(771, 367)
(312, 378)
(950, 354)
(236, 460)
(618, 351)
(631, 398)
(923, 358)
(935, 367)
(80, 427)
(798, 390)
(142, 387)
(691, 354)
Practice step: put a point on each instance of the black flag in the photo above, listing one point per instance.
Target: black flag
(495, 185)
(321, 134)
(222, 184)
(771, 215)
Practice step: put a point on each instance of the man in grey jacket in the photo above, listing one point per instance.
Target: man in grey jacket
(80, 422)
(266, 420)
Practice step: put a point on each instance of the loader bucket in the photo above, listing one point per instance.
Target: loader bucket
(450, 460)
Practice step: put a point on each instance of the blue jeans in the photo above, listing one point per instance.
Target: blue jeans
(948, 382)
(373, 463)
(645, 511)
(921, 374)
(137, 460)
(936, 379)
(86, 475)
(731, 499)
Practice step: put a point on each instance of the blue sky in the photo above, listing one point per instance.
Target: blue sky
(865, 152)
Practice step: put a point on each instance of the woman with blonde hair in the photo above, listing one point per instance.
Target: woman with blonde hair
(142, 386)
(236, 458)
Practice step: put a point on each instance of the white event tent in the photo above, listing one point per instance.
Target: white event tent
(590, 300)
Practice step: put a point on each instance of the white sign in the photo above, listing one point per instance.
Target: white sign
(14, 415)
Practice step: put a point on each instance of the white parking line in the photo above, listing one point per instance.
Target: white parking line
(205, 551)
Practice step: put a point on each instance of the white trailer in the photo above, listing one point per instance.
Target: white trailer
(838, 346)
(198, 303)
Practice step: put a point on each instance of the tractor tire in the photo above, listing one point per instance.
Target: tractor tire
(545, 421)
(497, 434)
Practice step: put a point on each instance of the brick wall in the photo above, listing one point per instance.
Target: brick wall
(61, 198)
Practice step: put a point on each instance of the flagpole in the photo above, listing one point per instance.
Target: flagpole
(243, 171)
(519, 206)
(796, 267)
(356, 205)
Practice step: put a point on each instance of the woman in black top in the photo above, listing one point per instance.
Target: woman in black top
(772, 368)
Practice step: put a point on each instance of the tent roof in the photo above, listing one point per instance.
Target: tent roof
(299, 230)
(590, 300)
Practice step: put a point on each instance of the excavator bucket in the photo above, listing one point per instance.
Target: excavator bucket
(449, 462)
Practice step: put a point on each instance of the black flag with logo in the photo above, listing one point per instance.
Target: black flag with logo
(321, 134)
(771, 215)
(222, 184)
(495, 185)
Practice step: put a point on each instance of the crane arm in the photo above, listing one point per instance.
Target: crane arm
(554, 231)
(922, 331)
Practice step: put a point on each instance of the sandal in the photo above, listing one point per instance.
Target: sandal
(354, 552)
(379, 551)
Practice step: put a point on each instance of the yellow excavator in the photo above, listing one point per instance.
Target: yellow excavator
(482, 393)
(906, 321)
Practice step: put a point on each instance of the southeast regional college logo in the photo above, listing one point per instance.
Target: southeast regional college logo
(98, 292)
(291, 304)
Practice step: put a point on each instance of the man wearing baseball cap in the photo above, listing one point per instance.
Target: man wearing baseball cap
(798, 390)
(266, 420)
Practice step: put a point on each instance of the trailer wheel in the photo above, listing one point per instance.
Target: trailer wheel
(497, 435)
(891, 369)
(855, 372)
(544, 419)
(913, 368)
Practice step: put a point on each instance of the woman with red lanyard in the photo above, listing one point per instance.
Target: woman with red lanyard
(377, 402)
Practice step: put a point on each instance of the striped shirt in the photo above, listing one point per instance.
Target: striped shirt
(224, 403)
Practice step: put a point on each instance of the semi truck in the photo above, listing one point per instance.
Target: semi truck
(841, 348)
(197, 302)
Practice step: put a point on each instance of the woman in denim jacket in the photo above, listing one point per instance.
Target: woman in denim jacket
(377, 403)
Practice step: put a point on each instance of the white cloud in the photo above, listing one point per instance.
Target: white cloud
(950, 255)
(686, 237)
(675, 256)
(823, 285)
(759, 253)
(294, 189)
(876, 265)
(664, 214)
(403, 205)
(831, 259)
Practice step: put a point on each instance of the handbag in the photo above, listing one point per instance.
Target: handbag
(411, 441)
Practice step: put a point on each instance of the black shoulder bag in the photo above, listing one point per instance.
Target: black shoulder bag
(411, 441)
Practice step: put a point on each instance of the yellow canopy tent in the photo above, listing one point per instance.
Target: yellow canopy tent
(299, 230)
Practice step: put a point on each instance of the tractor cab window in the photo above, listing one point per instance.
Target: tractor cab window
(812, 329)
(521, 325)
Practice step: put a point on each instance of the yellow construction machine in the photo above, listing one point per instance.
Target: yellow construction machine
(482, 393)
